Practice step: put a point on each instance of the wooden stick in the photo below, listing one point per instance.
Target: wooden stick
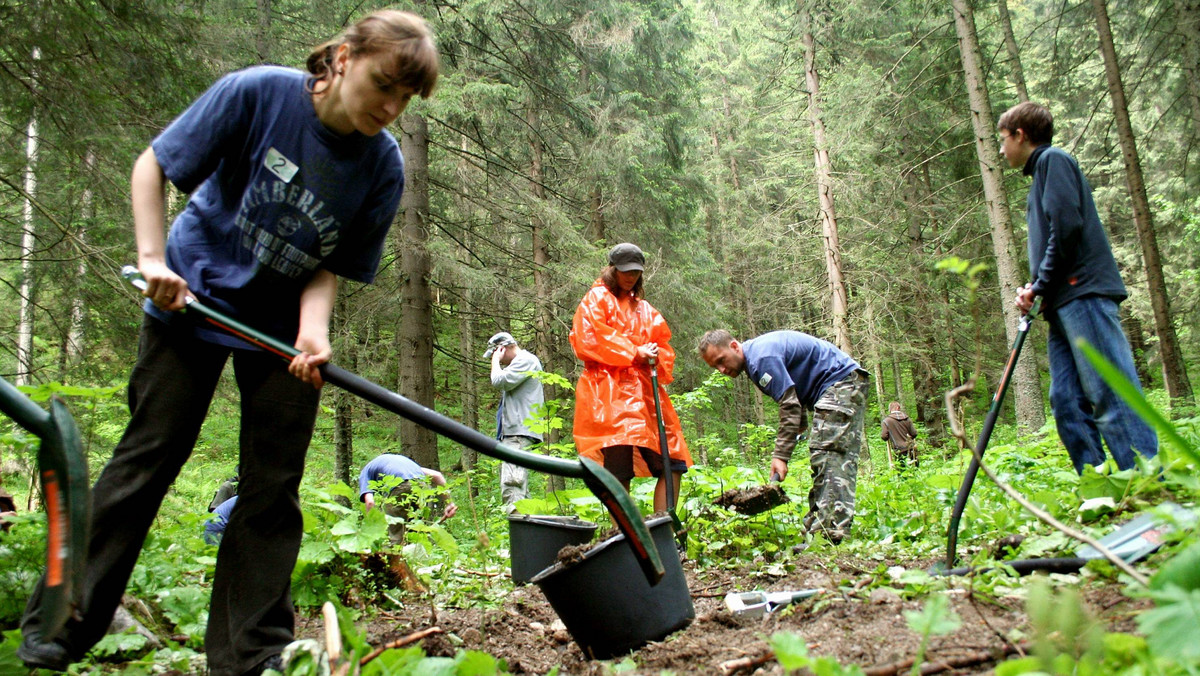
(476, 572)
(730, 666)
(934, 667)
(399, 643)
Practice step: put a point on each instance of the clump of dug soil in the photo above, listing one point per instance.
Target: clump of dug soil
(753, 500)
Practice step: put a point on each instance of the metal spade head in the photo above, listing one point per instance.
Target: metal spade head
(62, 468)
(627, 517)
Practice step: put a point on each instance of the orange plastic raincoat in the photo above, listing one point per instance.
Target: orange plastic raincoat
(614, 401)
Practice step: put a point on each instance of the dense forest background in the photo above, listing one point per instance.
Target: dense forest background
(826, 167)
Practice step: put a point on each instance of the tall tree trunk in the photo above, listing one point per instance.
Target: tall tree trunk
(1187, 19)
(414, 336)
(596, 227)
(873, 351)
(1137, 344)
(756, 395)
(343, 402)
(833, 254)
(28, 245)
(1014, 54)
(466, 319)
(544, 302)
(947, 315)
(927, 406)
(73, 349)
(262, 36)
(541, 251)
(1174, 370)
(1027, 383)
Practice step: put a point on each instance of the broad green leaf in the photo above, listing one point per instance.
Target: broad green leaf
(347, 526)
(1095, 484)
(119, 644)
(936, 618)
(1170, 628)
(1182, 570)
(374, 525)
(1025, 666)
(435, 666)
(790, 650)
(476, 663)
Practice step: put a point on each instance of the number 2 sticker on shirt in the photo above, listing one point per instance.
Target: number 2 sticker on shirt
(764, 380)
(279, 165)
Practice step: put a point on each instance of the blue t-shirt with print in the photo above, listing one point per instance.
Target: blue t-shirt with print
(388, 464)
(778, 360)
(275, 195)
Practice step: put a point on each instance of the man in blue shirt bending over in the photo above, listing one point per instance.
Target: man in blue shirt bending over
(1074, 272)
(400, 502)
(802, 372)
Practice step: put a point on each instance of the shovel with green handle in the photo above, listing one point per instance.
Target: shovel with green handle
(668, 475)
(62, 467)
(602, 483)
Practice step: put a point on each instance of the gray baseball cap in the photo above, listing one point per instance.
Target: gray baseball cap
(626, 257)
(498, 341)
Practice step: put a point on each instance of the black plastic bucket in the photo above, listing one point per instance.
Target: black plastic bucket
(606, 603)
(535, 540)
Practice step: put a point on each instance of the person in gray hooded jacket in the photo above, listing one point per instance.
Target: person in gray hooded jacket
(520, 395)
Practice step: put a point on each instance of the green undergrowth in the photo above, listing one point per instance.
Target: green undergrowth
(899, 529)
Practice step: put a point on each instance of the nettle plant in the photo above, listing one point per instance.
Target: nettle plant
(345, 553)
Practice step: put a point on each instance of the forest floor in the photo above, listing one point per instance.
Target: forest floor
(850, 624)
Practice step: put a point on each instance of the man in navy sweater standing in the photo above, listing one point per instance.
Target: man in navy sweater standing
(1074, 272)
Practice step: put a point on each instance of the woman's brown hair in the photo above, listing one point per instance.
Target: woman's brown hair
(403, 35)
(609, 276)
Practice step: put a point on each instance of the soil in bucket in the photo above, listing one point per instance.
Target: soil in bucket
(605, 601)
(535, 540)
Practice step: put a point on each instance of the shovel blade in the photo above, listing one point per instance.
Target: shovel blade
(627, 517)
(62, 469)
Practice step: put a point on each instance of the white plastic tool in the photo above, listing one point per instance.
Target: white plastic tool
(756, 605)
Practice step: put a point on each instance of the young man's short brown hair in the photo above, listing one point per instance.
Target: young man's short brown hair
(1032, 118)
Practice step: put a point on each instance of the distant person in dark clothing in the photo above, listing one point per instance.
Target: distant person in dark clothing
(897, 429)
(214, 528)
(400, 504)
(226, 490)
(8, 507)
(1074, 272)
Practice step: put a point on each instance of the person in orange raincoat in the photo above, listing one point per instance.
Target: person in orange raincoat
(615, 333)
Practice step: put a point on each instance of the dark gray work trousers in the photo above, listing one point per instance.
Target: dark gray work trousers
(251, 616)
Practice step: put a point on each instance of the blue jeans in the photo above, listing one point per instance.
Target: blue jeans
(1085, 407)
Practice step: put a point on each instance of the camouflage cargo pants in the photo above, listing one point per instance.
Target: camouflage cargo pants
(833, 446)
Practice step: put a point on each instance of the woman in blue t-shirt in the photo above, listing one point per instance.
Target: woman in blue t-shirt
(293, 181)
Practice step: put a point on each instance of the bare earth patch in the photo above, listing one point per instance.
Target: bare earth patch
(847, 622)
